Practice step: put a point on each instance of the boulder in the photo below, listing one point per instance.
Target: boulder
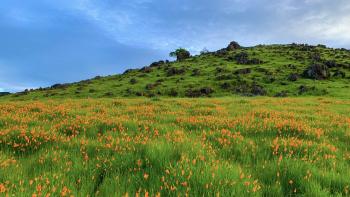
(339, 73)
(293, 77)
(243, 71)
(233, 46)
(317, 71)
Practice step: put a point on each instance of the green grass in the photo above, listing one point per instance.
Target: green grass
(215, 71)
(231, 146)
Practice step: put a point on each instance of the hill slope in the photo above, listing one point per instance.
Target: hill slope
(271, 70)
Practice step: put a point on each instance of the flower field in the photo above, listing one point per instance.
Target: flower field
(171, 147)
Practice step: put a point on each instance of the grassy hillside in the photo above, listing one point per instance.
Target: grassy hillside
(271, 70)
(171, 147)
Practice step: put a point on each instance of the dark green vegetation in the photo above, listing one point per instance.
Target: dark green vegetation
(271, 70)
(4, 93)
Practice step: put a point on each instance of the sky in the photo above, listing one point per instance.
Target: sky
(43, 42)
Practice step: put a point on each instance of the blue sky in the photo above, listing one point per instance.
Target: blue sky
(43, 42)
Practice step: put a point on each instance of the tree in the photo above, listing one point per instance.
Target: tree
(204, 51)
(180, 54)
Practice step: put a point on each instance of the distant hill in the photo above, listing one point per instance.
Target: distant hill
(4, 93)
(263, 70)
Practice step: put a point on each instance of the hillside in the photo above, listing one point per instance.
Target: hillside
(263, 70)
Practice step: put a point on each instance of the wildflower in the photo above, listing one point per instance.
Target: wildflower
(2, 188)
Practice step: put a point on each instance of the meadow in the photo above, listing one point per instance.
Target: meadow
(231, 146)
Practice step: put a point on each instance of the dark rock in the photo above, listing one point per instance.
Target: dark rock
(243, 71)
(317, 71)
(291, 66)
(205, 91)
(331, 63)
(133, 81)
(221, 53)
(196, 72)
(226, 86)
(242, 58)
(220, 70)
(150, 86)
(263, 70)
(59, 86)
(281, 94)
(258, 90)
(128, 71)
(269, 78)
(255, 61)
(339, 73)
(233, 46)
(108, 94)
(175, 71)
(146, 69)
(139, 93)
(293, 77)
(173, 92)
(157, 64)
(224, 77)
(303, 89)
(315, 57)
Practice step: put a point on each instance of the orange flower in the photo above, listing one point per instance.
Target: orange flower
(2, 188)
(145, 176)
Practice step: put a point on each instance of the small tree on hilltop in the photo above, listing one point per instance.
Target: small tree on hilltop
(180, 54)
